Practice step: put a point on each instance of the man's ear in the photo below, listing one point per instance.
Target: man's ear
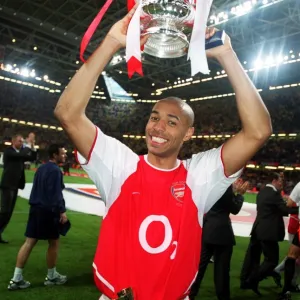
(189, 134)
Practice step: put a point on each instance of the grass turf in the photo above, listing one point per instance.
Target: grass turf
(76, 256)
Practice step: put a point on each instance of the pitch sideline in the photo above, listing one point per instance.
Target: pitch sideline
(85, 198)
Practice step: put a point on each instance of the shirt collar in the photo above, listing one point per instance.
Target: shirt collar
(272, 186)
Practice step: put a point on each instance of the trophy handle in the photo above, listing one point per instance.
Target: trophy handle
(216, 40)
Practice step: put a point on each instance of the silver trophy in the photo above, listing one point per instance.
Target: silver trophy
(169, 24)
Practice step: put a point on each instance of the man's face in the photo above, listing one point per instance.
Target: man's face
(18, 142)
(278, 184)
(168, 127)
(61, 157)
(31, 137)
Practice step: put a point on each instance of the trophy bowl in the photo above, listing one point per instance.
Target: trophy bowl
(167, 22)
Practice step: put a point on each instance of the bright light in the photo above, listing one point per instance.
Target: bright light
(13, 40)
(279, 59)
(32, 73)
(77, 62)
(258, 64)
(35, 48)
(25, 72)
(265, 2)
(269, 60)
(46, 77)
(9, 67)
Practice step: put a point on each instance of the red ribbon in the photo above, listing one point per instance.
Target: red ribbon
(130, 4)
(92, 28)
(134, 65)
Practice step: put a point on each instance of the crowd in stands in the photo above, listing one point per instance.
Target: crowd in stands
(215, 116)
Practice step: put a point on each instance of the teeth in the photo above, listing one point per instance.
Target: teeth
(158, 140)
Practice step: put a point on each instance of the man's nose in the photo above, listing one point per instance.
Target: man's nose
(160, 125)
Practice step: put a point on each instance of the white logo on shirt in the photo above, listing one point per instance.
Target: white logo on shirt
(167, 239)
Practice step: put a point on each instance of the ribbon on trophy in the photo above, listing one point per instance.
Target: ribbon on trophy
(196, 52)
(133, 44)
(92, 28)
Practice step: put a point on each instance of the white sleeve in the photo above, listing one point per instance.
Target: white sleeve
(295, 194)
(207, 179)
(109, 164)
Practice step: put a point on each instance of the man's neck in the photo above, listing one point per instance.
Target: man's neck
(53, 161)
(166, 163)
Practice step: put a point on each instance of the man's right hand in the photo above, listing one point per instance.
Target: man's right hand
(119, 30)
(63, 218)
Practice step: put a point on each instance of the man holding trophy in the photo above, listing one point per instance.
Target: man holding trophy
(149, 243)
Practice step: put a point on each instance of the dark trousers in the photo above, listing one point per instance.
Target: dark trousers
(222, 257)
(252, 270)
(8, 198)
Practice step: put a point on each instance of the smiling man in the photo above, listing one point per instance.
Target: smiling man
(149, 243)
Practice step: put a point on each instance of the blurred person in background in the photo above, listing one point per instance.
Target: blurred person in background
(46, 216)
(218, 239)
(291, 262)
(30, 143)
(13, 178)
(268, 229)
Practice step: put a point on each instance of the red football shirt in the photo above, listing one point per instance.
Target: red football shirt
(150, 238)
(293, 225)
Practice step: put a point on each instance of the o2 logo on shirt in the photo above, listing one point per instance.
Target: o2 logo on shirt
(167, 237)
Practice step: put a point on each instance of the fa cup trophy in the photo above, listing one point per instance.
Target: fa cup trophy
(169, 24)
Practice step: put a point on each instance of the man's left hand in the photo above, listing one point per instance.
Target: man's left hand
(217, 52)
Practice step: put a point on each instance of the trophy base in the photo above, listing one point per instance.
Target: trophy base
(165, 42)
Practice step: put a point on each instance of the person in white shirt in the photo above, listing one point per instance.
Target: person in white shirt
(294, 251)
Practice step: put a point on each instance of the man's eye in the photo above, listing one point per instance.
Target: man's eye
(154, 118)
(171, 123)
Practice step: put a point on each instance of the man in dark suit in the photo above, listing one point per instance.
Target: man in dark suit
(13, 178)
(268, 229)
(218, 240)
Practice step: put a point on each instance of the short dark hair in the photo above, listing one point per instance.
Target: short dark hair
(54, 149)
(274, 176)
(16, 135)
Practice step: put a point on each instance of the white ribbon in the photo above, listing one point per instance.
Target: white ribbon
(197, 53)
(133, 38)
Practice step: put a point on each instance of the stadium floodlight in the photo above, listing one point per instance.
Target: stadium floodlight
(258, 64)
(9, 67)
(269, 60)
(25, 72)
(46, 77)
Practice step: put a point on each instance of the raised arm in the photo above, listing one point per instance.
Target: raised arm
(255, 118)
(70, 109)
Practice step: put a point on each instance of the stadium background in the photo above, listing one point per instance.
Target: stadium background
(39, 52)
